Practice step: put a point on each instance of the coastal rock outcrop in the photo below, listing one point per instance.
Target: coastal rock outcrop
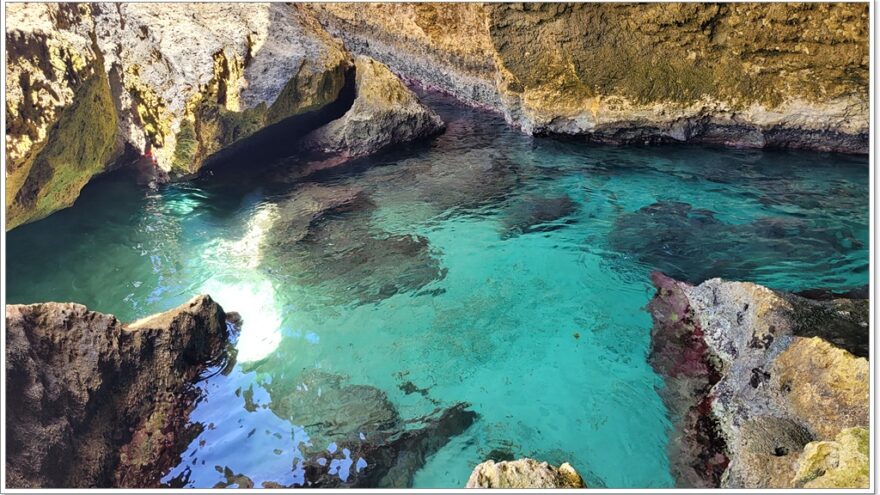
(751, 379)
(94, 402)
(172, 84)
(524, 473)
(384, 112)
(745, 74)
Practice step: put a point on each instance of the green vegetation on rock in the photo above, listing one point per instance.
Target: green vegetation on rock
(77, 148)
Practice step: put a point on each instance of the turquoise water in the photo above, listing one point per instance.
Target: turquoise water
(484, 266)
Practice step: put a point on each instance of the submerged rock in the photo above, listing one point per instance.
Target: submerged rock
(750, 382)
(524, 473)
(693, 244)
(385, 112)
(357, 436)
(323, 238)
(534, 213)
(99, 403)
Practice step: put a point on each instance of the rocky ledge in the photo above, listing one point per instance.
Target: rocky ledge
(524, 473)
(765, 389)
(100, 403)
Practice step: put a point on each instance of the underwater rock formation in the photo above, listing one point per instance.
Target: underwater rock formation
(99, 403)
(533, 213)
(323, 238)
(385, 112)
(693, 244)
(358, 434)
(524, 473)
(740, 74)
(751, 379)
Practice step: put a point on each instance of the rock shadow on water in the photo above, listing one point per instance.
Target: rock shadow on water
(357, 436)
(693, 244)
(323, 238)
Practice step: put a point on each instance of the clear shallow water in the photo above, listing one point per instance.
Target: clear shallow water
(484, 266)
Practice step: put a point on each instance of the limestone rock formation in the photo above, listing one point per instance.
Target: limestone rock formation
(385, 112)
(524, 473)
(751, 381)
(739, 74)
(845, 461)
(172, 83)
(98, 403)
(60, 116)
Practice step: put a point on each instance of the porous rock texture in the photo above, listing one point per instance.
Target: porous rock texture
(751, 380)
(170, 82)
(742, 74)
(93, 402)
(524, 473)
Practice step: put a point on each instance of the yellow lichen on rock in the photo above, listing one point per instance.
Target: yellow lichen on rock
(524, 473)
(841, 463)
(825, 386)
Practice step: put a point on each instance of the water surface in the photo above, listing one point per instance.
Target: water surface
(483, 266)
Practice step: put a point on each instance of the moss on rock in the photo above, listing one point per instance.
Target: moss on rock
(77, 148)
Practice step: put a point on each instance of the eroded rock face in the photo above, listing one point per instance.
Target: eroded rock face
(524, 473)
(172, 83)
(60, 116)
(93, 402)
(737, 74)
(385, 112)
(750, 381)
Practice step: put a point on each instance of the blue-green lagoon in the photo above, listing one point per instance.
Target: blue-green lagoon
(483, 266)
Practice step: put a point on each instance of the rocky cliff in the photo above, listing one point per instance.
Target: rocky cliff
(94, 402)
(765, 389)
(741, 74)
(163, 87)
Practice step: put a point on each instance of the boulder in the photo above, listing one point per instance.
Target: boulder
(524, 473)
(99, 403)
(750, 381)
